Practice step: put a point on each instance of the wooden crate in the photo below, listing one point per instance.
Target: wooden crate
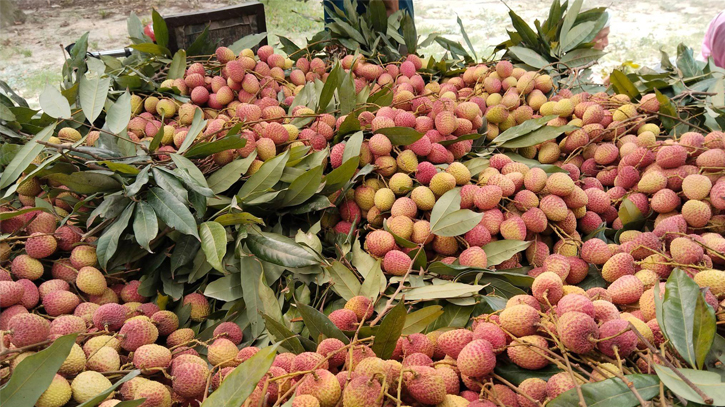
(226, 25)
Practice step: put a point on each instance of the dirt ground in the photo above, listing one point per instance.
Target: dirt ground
(31, 54)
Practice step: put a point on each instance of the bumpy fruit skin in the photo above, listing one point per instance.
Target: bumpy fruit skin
(74, 363)
(28, 329)
(82, 256)
(105, 359)
(578, 331)
(361, 391)
(361, 306)
(91, 281)
(152, 355)
(24, 266)
(452, 342)
(11, 293)
(528, 352)
(379, 242)
(344, 319)
(476, 359)
(138, 332)
(425, 385)
(57, 394)
(229, 330)
(88, 384)
(559, 383)
(223, 352)
(155, 393)
(40, 245)
(323, 385)
(473, 257)
(110, 316)
(520, 320)
(190, 380)
(199, 306)
(626, 290)
(615, 335)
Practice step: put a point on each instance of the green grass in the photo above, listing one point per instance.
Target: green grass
(296, 20)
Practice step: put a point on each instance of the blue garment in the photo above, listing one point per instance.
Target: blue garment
(406, 5)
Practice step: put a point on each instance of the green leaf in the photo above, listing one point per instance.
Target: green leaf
(401, 136)
(227, 288)
(25, 156)
(229, 142)
(178, 65)
(578, 35)
(379, 15)
(33, 375)
(92, 94)
(524, 128)
(448, 203)
(161, 31)
(628, 212)
(678, 313)
(472, 136)
(253, 307)
(622, 84)
(709, 382)
(548, 168)
(454, 316)
(347, 97)
(390, 329)
(529, 57)
(86, 182)
(418, 320)
(344, 281)
(197, 125)
(375, 281)
(249, 41)
(108, 242)
(268, 174)
(516, 374)
(686, 62)
(152, 49)
(240, 382)
(214, 243)
(580, 57)
(119, 114)
(410, 34)
(229, 174)
(331, 84)
(704, 328)
(98, 399)
(338, 177)
(538, 136)
(302, 188)
(318, 324)
(527, 34)
(145, 224)
(441, 291)
(281, 250)
(457, 223)
(569, 20)
(171, 211)
(170, 184)
(282, 333)
(611, 392)
(241, 218)
(352, 146)
(54, 104)
(501, 250)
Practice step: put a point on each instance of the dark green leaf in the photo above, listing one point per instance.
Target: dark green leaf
(338, 177)
(622, 84)
(32, 376)
(24, 157)
(302, 188)
(108, 242)
(390, 329)
(145, 224)
(418, 320)
(538, 136)
(379, 15)
(580, 57)
(331, 84)
(548, 168)
(240, 382)
(96, 400)
(170, 184)
(241, 218)
(516, 374)
(457, 223)
(318, 324)
(185, 250)
(268, 174)
(281, 250)
(171, 211)
(454, 316)
(527, 34)
(201, 45)
(197, 125)
(289, 47)
(611, 392)
(249, 41)
(569, 20)
(92, 94)
(524, 128)
(529, 57)
(229, 174)
(203, 150)
(86, 182)
(161, 31)
(410, 34)
(282, 333)
(703, 330)
(473, 136)
(227, 288)
(678, 313)
(448, 203)
(686, 62)
(347, 97)
(152, 49)
(578, 34)
(214, 243)
(441, 291)
(352, 146)
(141, 179)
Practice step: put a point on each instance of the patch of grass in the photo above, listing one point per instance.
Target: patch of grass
(293, 19)
(35, 81)
(9, 51)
